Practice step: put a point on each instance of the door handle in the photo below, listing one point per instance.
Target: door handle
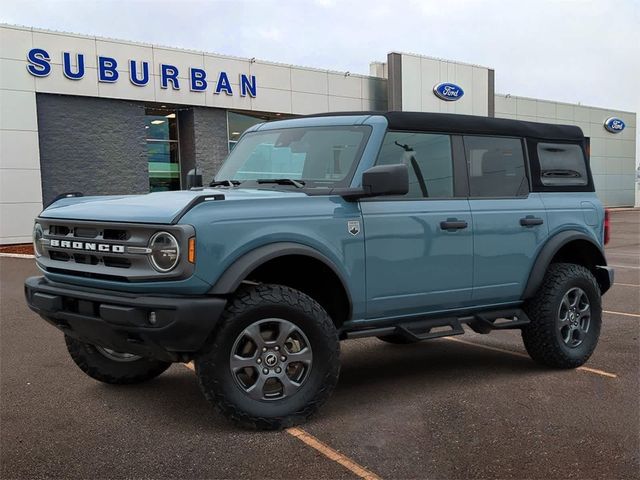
(453, 224)
(531, 221)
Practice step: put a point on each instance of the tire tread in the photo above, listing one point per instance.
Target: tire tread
(249, 298)
(91, 362)
(539, 335)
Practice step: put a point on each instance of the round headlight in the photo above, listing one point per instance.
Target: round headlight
(165, 252)
(37, 239)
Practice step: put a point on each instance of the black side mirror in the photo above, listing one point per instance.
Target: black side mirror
(379, 180)
(386, 180)
(194, 179)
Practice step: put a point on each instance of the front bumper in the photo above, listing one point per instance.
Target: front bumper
(121, 321)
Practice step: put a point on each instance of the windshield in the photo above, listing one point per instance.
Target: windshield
(316, 156)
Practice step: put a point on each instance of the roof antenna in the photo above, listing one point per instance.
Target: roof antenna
(406, 148)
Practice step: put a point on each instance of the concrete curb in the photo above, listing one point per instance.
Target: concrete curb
(16, 255)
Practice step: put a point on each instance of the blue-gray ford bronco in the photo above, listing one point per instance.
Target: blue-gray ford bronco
(402, 226)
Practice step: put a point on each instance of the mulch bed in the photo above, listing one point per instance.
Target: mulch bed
(25, 248)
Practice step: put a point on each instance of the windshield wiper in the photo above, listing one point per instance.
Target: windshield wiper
(282, 181)
(224, 183)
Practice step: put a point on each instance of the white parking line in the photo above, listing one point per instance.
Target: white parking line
(332, 454)
(518, 354)
(622, 313)
(624, 266)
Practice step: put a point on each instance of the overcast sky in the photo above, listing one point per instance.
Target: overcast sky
(568, 50)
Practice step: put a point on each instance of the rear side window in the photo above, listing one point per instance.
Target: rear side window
(496, 167)
(428, 159)
(562, 164)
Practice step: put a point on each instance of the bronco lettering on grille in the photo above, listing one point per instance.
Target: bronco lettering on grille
(87, 246)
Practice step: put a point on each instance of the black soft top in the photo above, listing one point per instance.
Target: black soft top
(471, 124)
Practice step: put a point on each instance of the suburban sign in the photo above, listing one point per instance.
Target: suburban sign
(110, 71)
(448, 91)
(614, 124)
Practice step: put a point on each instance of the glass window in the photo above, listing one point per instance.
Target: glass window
(496, 167)
(163, 154)
(562, 164)
(321, 156)
(161, 126)
(428, 158)
(237, 123)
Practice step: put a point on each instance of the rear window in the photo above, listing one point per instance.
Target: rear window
(562, 164)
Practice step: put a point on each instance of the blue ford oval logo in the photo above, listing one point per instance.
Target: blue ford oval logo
(448, 91)
(614, 124)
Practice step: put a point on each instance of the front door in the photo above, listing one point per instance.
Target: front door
(419, 247)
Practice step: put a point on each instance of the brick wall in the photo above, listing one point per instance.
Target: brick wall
(91, 145)
(97, 146)
(210, 136)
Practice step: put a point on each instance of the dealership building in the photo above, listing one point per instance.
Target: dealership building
(103, 116)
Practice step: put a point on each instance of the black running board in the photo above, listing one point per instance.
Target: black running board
(426, 328)
(509, 319)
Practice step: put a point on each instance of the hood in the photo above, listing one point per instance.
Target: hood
(158, 207)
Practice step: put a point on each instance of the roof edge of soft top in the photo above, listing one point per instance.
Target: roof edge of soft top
(467, 124)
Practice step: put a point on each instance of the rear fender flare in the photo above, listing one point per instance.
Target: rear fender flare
(550, 248)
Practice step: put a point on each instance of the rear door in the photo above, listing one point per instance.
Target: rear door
(419, 246)
(509, 222)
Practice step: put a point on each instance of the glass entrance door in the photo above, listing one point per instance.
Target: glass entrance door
(163, 153)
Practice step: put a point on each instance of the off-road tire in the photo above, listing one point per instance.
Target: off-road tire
(397, 339)
(541, 338)
(256, 303)
(103, 369)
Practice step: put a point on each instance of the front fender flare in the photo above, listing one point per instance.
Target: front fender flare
(233, 276)
(548, 251)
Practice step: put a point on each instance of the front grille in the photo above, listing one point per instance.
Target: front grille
(117, 262)
(59, 230)
(86, 259)
(112, 234)
(64, 241)
(97, 276)
(102, 251)
(59, 256)
(84, 232)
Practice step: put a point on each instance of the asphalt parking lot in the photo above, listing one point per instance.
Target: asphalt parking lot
(469, 407)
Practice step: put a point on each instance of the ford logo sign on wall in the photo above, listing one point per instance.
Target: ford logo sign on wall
(448, 91)
(614, 125)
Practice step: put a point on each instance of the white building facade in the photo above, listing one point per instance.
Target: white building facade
(104, 116)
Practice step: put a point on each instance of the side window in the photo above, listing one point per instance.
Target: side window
(496, 167)
(562, 164)
(428, 158)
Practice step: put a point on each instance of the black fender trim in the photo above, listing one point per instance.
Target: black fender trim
(604, 276)
(553, 245)
(194, 203)
(233, 276)
(64, 195)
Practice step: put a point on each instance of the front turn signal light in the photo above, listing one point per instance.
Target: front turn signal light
(192, 250)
